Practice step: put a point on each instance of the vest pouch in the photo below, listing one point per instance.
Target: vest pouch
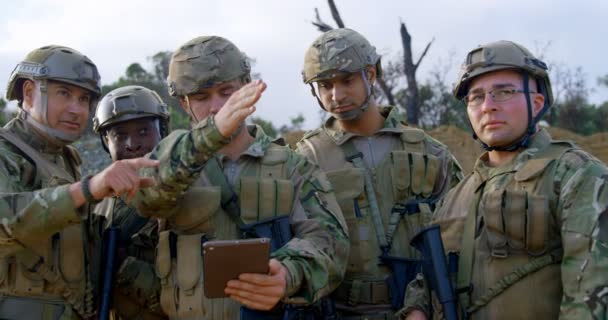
(164, 264)
(26, 282)
(249, 198)
(537, 229)
(197, 211)
(430, 174)
(400, 173)
(514, 216)
(265, 198)
(71, 254)
(417, 172)
(189, 276)
(349, 188)
(491, 209)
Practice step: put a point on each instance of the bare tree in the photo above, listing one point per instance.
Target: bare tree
(410, 101)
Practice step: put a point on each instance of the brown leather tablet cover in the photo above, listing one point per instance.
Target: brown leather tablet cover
(224, 260)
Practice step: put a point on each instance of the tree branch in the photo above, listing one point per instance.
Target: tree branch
(428, 45)
(335, 14)
(322, 26)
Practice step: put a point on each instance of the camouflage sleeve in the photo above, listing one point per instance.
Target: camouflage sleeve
(182, 155)
(583, 211)
(29, 217)
(317, 255)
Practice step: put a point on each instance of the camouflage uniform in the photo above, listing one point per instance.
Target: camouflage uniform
(535, 227)
(408, 171)
(44, 264)
(137, 289)
(268, 179)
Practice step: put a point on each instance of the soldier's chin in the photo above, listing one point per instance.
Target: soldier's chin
(348, 115)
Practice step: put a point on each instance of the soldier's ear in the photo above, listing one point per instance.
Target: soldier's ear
(29, 92)
(538, 101)
(184, 104)
(371, 74)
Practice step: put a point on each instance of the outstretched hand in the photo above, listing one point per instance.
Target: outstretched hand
(238, 107)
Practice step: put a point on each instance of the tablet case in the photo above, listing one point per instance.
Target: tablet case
(224, 260)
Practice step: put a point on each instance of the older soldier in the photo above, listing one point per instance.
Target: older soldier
(223, 180)
(131, 120)
(387, 176)
(44, 267)
(530, 223)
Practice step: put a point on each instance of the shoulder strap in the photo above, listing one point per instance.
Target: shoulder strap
(229, 198)
(43, 166)
(356, 158)
(465, 261)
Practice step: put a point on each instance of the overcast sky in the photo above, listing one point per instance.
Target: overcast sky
(115, 33)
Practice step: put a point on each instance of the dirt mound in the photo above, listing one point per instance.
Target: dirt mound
(466, 150)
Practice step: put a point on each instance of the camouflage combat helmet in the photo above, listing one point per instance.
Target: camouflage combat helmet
(128, 103)
(338, 50)
(54, 63)
(501, 55)
(204, 62)
(507, 55)
(57, 63)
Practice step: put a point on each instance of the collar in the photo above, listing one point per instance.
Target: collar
(261, 143)
(539, 141)
(393, 124)
(31, 136)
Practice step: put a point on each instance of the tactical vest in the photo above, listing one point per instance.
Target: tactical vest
(515, 273)
(264, 191)
(54, 271)
(405, 175)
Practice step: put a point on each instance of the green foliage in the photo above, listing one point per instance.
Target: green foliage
(266, 125)
(135, 74)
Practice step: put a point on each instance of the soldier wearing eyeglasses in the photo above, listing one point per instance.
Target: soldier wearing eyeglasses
(530, 223)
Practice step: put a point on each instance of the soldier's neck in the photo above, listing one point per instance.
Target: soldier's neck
(241, 142)
(366, 124)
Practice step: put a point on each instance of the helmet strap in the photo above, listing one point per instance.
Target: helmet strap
(56, 137)
(352, 114)
(524, 141)
(190, 109)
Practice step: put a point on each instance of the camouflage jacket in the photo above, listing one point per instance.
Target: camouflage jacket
(39, 220)
(547, 207)
(405, 166)
(315, 257)
(32, 213)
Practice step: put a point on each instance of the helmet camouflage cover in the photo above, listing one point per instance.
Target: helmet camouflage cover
(336, 51)
(127, 103)
(57, 63)
(502, 55)
(204, 62)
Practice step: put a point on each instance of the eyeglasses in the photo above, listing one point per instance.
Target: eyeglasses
(475, 99)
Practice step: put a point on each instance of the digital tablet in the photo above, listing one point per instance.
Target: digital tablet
(224, 260)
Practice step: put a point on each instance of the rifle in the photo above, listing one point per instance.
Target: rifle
(110, 245)
(434, 266)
